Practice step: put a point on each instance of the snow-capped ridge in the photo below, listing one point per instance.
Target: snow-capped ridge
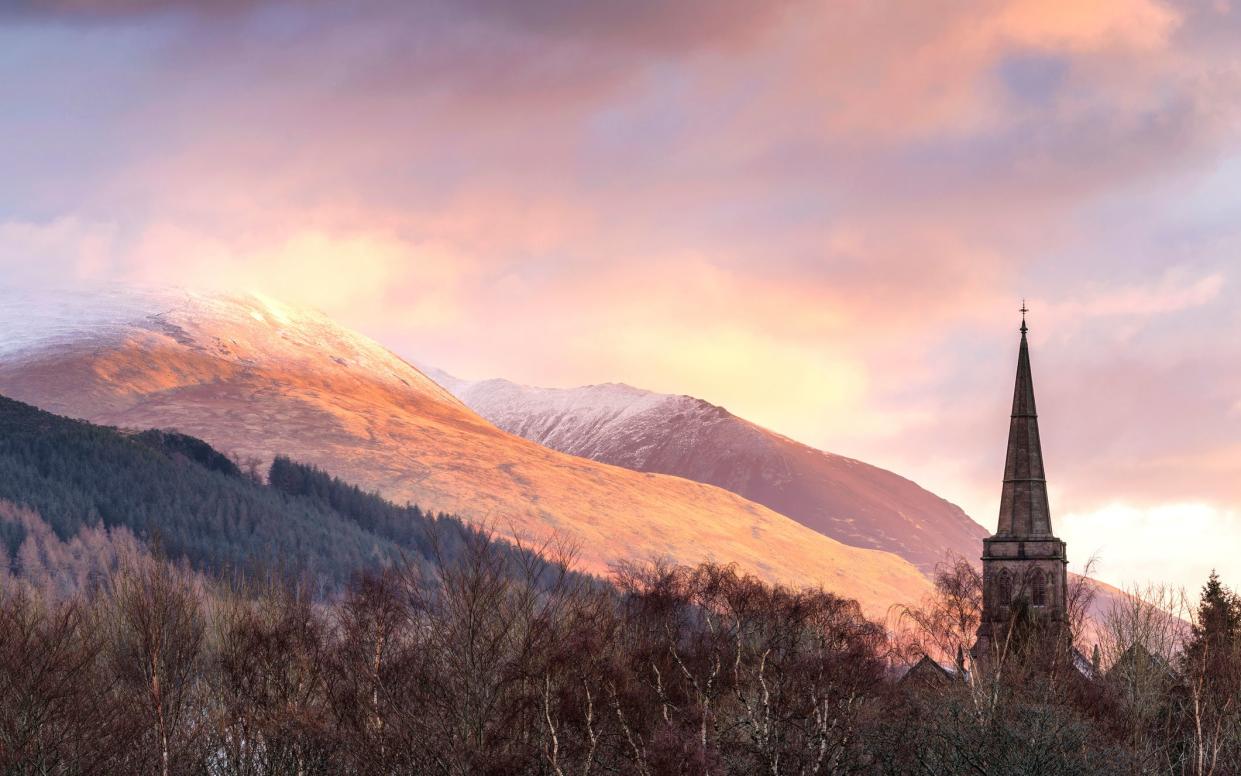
(846, 499)
(243, 328)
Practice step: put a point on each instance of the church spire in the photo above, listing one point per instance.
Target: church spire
(1024, 511)
(1022, 562)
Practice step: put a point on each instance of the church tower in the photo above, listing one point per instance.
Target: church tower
(1023, 564)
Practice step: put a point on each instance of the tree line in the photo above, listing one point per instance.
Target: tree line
(505, 662)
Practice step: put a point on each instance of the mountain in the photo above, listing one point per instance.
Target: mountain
(851, 501)
(256, 378)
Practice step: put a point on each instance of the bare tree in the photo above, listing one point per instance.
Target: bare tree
(1140, 637)
(373, 676)
(155, 651)
(945, 624)
(55, 710)
(268, 692)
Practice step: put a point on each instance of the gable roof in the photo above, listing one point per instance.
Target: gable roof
(929, 673)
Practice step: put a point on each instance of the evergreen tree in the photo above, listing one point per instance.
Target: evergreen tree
(1217, 627)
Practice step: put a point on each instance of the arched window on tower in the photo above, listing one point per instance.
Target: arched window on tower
(1038, 588)
(1004, 589)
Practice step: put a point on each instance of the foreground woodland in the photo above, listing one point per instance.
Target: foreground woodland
(503, 662)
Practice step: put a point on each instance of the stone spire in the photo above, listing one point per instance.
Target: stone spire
(1023, 502)
(1023, 561)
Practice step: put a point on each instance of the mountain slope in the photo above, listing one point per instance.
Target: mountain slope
(76, 476)
(257, 378)
(848, 500)
(69, 488)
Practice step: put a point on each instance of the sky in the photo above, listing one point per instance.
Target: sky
(821, 215)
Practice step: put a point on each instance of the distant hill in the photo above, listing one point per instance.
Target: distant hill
(846, 499)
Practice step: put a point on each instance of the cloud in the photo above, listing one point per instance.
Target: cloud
(1142, 25)
(1172, 293)
(95, 10)
(639, 25)
(822, 215)
(1132, 542)
(65, 248)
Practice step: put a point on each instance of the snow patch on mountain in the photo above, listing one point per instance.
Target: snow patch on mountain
(246, 329)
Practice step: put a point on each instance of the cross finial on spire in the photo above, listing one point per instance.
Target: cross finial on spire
(1024, 310)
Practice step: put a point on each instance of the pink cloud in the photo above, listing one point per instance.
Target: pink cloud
(1171, 293)
(820, 215)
